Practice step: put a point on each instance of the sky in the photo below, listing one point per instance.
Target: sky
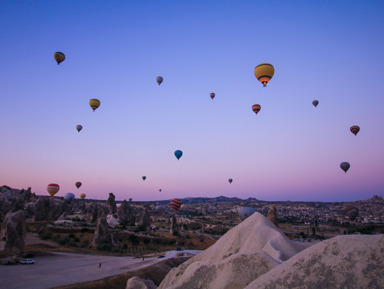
(331, 51)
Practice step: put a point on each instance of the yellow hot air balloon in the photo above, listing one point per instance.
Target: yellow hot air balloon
(82, 196)
(264, 72)
(94, 103)
(59, 57)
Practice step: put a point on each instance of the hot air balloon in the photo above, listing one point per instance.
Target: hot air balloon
(264, 73)
(256, 108)
(178, 154)
(230, 181)
(160, 190)
(69, 197)
(212, 95)
(78, 184)
(355, 129)
(82, 196)
(175, 204)
(94, 103)
(53, 189)
(159, 80)
(144, 177)
(59, 57)
(245, 212)
(345, 166)
(79, 127)
(315, 102)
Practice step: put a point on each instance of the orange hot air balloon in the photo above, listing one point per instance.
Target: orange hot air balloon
(256, 108)
(212, 95)
(53, 189)
(175, 204)
(264, 73)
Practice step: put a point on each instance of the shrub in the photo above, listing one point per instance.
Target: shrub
(71, 235)
(45, 235)
(105, 247)
(63, 241)
(76, 239)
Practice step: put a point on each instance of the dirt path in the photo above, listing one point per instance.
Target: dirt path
(60, 269)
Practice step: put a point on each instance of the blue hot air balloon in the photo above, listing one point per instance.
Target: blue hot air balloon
(178, 154)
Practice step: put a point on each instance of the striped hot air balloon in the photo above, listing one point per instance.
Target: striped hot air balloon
(175, 204)
(94, 103)
(355, 129)
(53, 189)
(264, 73)
(256, 108)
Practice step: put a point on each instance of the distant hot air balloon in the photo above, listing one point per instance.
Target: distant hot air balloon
(78, 184)
(175, 204)
(53, 189)
(159, 80)
(178, 154)
(256, 108)
(264, 73)
(355, 129)
(69, 197)
(144, 177)
(59, 57)
(212, 95)
(345, 166)
(230, 181)
(352, 212)
(245, 212)
(82, 196)
(315, 102)
(79, 127)
(160, 190)
(94, 103)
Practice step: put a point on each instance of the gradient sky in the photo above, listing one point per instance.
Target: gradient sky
(326, 50)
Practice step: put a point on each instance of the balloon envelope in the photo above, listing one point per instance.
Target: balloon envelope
(230, 181)
(78, 184)
(79, 127)
(178, 154)
(212, 95)
(264, 73)
(53, 189)
(256, 108)
(355, 129)
(94, 103)
(175, 204)
(315, 102)
(69, 197)
(345, 166)
(144, 177)
(59, 57)
(245, 212)
(82, 196)
(159, 80)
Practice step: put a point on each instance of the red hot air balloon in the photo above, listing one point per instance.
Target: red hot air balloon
(212, 95)
(78, 184)
(53, 189)
(175, 204)
(256, 108)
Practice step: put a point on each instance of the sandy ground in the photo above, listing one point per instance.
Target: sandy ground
(60, 269)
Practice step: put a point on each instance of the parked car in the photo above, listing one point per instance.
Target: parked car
(27, 261)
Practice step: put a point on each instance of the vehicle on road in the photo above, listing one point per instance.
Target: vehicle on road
(27, 261)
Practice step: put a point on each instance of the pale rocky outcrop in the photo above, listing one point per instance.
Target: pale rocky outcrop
(231, 261)
(49, 209)
(354, 261)
(14, 231)
(111, 204)
(102, 233)
(145, 220)
(173, 227)
(126, 214)
(271, 215)
(138, 283)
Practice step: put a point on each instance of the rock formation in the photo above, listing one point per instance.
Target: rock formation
(173, 227)
(231, 261)
(92, 211)
(14, 230)
(271, 215)
(111, 204)
(125, 214)
(354, 261)
(49, 209)
(138, 283)
(102, 233)
(145, 220)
